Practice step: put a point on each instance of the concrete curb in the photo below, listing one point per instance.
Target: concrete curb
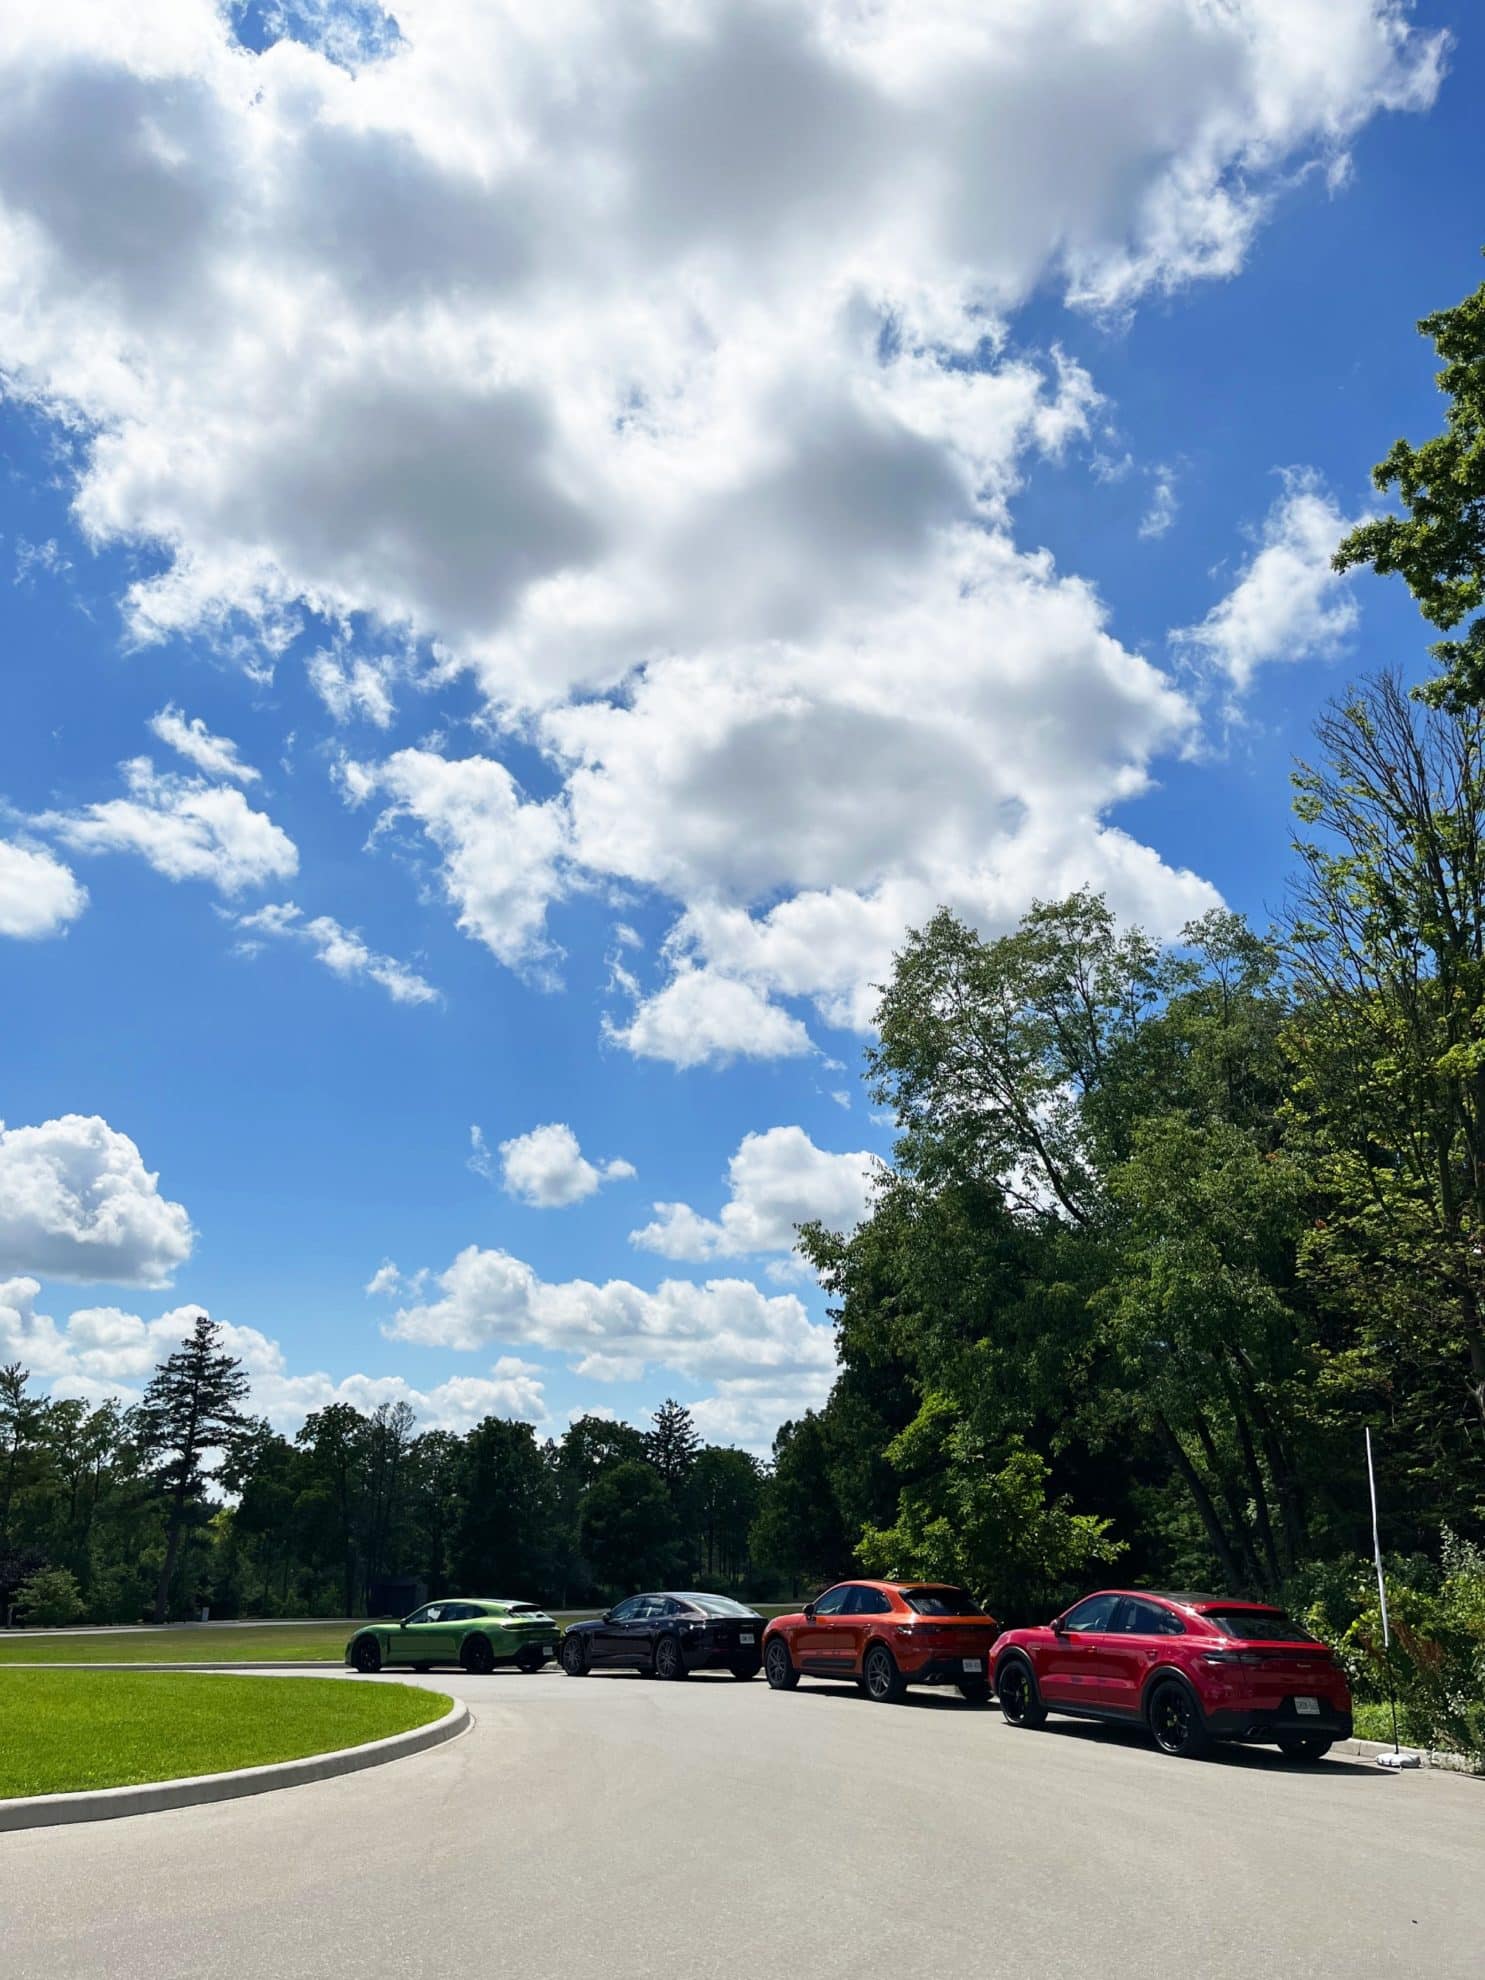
(288, 1664)
(1368, 1749)
(38, 1811)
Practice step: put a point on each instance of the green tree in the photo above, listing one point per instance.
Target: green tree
(1438, 547)
(722, 1496)
(503, 1541)
(22, 1415)
(671, 1445)
(629, 1530)
(50, 1599)
(189, 1411)
(801, 1532)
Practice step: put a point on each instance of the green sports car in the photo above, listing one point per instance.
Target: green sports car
(477, 1635)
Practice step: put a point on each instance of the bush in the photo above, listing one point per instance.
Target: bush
(49, 1598)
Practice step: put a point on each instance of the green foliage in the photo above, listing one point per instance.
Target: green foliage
(1438, 547)
(50, 1599)
(629, 1529)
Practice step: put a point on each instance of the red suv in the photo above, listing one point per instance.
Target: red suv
(885, 1635)
(1190, 1668)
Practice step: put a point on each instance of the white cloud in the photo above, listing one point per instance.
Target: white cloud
(38, 894)
(187, 829)
(776, 1180)
(76, 1202)
(1288, 604)
(652, 365)
(341, 950)
(1161, 513)
(547, 1169)
(102, 1352)
(215, 756)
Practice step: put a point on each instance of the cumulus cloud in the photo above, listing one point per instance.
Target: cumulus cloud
(547, 1168)
(102, 1351)
(777, 1180)
(653, 366)
(186, 828)
(1288, 604)
(76, 1202)
(215, 756)
(38, 894)
(341, 950)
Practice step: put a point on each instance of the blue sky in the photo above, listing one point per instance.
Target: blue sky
(652, 509)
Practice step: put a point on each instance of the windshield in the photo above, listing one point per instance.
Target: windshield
(941, 1601)
(1258, 1625)
(717, 1605)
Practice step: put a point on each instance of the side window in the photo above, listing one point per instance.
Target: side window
(833, 1601)
(417, 1616)
(1137, 1618)
(1094, 1614)
(462, 1612)
(871, 1602)
(435, 1611)
(626, 1611)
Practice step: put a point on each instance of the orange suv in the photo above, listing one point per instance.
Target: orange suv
(884, 1636)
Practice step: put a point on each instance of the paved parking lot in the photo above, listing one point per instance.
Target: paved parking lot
(621, 1827)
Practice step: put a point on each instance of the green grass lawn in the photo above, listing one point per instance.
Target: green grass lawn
(65, 1730)
(210, 1643)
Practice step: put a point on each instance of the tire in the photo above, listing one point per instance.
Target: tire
(881, 1680)
(1175, 1722)
(669, 1663)
(366, 1655)
(529, 1661)
(1020, 1701)
(574, 1657)
(476, 1655)
(743, 1672)
(778, 1666)
(974, 1691)
(1305, 1746)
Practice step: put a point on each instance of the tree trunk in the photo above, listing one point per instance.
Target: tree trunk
(172, 1554)
(1202, 1499)
(1253, 1573)
(1256, 1484)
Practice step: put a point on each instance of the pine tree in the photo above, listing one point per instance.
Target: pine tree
(672, 1445)
(189, 1409)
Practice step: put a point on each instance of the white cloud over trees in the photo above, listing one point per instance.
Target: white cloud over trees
(76, 1202)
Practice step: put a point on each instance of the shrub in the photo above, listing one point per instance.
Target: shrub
(49, 1598)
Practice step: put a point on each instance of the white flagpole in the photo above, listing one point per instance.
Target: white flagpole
(1393, 1759)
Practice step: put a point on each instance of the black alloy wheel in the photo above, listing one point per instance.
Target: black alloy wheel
(974, 1691)
(881, 1680)
(530, 1660)
(1176, 1724)
(367, 1656)
(476, 1656)
(743, 1672)
(574, 1657)
(1019, 1704)
(669, 1663)
(778, 1666)
(1305, 1746)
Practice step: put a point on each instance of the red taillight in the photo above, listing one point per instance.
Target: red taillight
(1249, 1657)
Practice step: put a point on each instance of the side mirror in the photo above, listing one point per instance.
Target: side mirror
(809, 1612)
(1059, 1627)
(607, 1616)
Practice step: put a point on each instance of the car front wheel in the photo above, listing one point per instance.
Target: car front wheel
(778, 1666)
(669, 1663)
(742, 1672)
(367, 1656)
(530, 1660)
(1305, 1746)
(574, 1657)
(974, 1691)
(1176, 1722)
(881, 1680)
(1019, 1703)
(476, 1656)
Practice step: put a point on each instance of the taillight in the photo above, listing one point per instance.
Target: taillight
(1249, 1657)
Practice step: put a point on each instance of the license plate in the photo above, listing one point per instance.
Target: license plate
(970, 1663)
(1310, 1707)
(549, 1649)
(747, 1636)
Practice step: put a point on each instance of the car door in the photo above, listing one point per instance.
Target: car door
(612, 1640)
(1073, 1663)
(823, 1644)
(419, 1637)
(863, 1612)
(1138, 1639)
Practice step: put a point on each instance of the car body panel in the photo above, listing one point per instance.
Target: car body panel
(1252, 1674)
(712, 1632)
(440, 1633)
(833, 1635)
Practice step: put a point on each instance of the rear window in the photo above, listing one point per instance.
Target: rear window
(941, 1601)
(525, 1609)
(717, 1605)
(1258, 1625)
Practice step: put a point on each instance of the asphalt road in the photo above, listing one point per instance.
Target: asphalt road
(616, 1826)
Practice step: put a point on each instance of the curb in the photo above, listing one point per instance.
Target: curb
(199, 1664)
(1368, 1749)
(37, 1811)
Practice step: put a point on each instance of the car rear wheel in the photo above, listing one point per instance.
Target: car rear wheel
(1305, 1746)
(1176, 1723)
(742, 1672)
(974, 1691)
(574, 1657)
(778, 1666)
(1020, 1704)
(881, 1680)
(476, 1656)
(366, 1655)
(669, 1663)
(530, 1660)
